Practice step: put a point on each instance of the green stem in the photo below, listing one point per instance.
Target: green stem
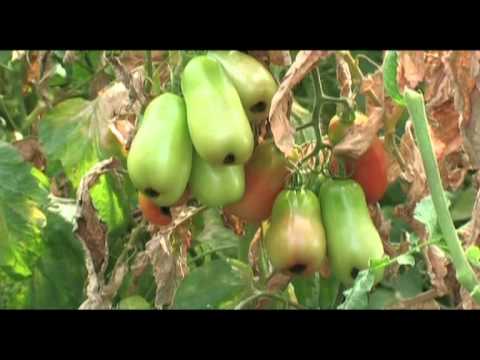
(149, 71)
(318, 95)
(39, 108)
(465, 273)
(7, 114)
(202, 255)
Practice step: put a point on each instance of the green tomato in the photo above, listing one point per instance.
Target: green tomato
(219, 127)
(254, 83)
(352, 238)
(160, 157)
(216, 186)
(135, 302)
(295, 240)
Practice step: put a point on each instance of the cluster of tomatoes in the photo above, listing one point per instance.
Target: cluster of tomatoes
(202, 146)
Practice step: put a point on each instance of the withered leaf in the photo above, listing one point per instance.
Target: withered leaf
(359, 137)
(344, 77)
(31, 151)
(279, 116)
(411, 68)
(277, 283)
(438, 85)
(445, 129)
(474, 238)
(92, 233)
(254, 251)
(413, 171)
(437, 268)
(464, 68)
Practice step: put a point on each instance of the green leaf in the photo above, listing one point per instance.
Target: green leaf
(407, 284)
(390, 65)
(59, 275)
(381, 298)
(135, 302)
(215, 285)
(307, 290)
(425, 213)
(5, 57)
(357, 296)
(462, 206)
(406, 259)
(76, 133)
(214, 232)
(473, 255)
(328, 292)
(21, 218)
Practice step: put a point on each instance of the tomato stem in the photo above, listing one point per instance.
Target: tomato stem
(149, 71)
(465, 274)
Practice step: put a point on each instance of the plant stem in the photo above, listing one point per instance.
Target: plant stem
(7, 114)
(149, 71)
(220, 248)
(465, 274)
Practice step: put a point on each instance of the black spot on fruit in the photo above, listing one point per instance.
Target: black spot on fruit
(298, 269)
(229, 159)
(258, 107)
(151, 193)
(354, 272)
(165, 210)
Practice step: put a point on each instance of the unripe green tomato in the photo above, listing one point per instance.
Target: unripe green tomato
(352, 238)
(160, 157)
(216, 186)
(295, 241)
(219, 128)
(338, 129)
(254, 83)
(135, 302)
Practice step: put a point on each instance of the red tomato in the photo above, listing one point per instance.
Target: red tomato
(369, 170)
(154, 214)
(265, 176)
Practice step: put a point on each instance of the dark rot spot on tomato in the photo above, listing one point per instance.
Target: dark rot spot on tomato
(151, 193)
(298, 269)
(166, 210)
(229, 159)
(259, 107)
(354, 272)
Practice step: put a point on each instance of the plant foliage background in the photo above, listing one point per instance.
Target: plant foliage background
(71, 235)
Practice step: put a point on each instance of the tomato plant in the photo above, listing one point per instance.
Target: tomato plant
(212, 179)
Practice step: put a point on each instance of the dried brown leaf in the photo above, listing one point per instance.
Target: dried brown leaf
(423, 301)
(344, 77)
(413, 171)
(383, 226)
(92, 233)
(31, 151)
(474, 229)
(453, 170)
(464, 68)
(373, 84)
(235, 223)
(438, 85)
(359, 137)
(467, 302)
(168, 267)
(437, 268)
(279, 116)
(278, 282)
(445, 129)
(254, 251)
(411, 68)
